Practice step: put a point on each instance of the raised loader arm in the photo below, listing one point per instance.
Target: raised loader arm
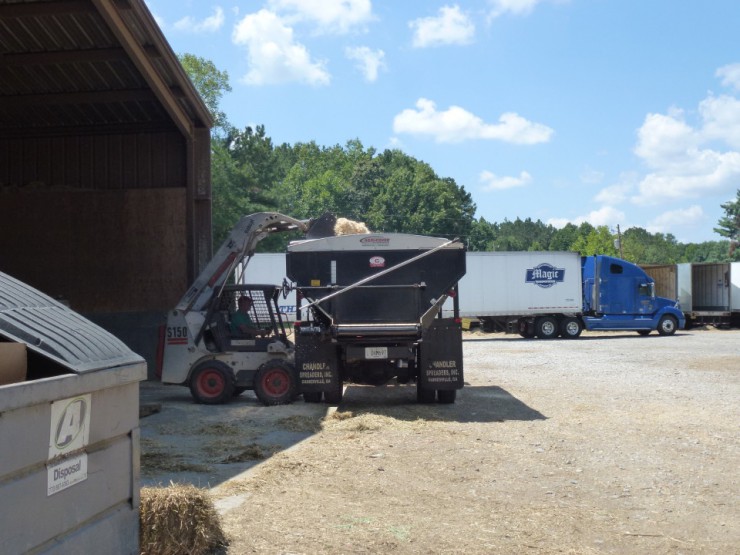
(238, 246)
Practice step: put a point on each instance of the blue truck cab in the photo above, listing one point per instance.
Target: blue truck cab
(619, 295)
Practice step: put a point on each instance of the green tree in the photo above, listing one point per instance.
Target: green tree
(729, 224)
(211, 84)
(598, 241)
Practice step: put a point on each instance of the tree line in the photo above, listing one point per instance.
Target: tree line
(391, 191)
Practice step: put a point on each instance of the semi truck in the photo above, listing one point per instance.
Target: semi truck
(551, 294)
(373, 302)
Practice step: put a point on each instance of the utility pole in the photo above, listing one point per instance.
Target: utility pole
(618, 243)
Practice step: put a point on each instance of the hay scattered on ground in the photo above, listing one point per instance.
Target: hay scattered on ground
(251, 452)
(179, 519)
(299, 423)
(349, 227)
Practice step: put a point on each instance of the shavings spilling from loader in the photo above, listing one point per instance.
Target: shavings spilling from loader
(349, 227)
(179, 519)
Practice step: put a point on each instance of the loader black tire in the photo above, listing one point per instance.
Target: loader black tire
(276, 383)
(212, 383)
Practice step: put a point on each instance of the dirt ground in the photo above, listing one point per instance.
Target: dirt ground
(612, 443)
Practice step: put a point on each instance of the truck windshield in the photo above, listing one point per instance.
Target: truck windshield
(647, 290)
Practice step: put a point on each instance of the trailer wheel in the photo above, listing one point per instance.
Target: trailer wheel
(334, 395)
(446, 396)
(546, 327)
(212, 383)
(571, 328)
(275, 383)
(526, 330)
(312, 397)
(424, 395)
(667, 325)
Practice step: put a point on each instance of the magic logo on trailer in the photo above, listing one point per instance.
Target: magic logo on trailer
(545, 275)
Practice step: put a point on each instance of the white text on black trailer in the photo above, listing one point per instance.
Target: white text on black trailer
(374, 301)
(199, 351)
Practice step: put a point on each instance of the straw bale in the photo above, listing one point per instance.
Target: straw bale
(179, 519)
(349, 227)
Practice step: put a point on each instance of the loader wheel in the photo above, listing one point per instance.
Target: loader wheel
(446, 396)
(212, 383)
(276, 383)
(546, 327)
(571, 328)
(667, 325)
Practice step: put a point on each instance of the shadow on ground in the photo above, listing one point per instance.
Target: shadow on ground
(205, 445)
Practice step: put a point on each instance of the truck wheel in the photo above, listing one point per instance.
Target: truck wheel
(275, 383)
(212, 383)
(571, 328)
(546, 327)
(667, 325)
(312, 397)
(446, 396)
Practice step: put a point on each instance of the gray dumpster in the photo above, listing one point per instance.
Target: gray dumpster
(69, 430)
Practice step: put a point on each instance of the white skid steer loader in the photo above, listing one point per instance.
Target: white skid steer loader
(200, 350)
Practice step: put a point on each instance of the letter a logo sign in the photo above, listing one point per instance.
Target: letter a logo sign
(70, 425)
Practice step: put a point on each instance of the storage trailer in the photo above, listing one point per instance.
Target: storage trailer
(708, 293)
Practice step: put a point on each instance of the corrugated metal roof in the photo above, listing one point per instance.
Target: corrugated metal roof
(89, 64)
(57, 332)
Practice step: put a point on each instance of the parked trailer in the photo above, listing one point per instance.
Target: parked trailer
(547, 294)
(708, 293)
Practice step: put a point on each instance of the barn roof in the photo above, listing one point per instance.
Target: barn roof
(88, 66)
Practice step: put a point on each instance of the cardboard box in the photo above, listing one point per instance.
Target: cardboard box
(13, 363)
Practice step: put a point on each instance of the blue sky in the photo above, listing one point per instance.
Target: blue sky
(615, 112)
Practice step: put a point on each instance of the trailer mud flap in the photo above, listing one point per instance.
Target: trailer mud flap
(441, 355)
(316, 362)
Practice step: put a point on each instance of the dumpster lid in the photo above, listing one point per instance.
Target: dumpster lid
(57, 332)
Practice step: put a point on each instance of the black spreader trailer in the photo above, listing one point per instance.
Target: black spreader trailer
(370, 312)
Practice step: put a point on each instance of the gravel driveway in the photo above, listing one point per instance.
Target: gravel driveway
(612, 443)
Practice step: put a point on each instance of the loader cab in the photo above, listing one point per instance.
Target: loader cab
(264, 313)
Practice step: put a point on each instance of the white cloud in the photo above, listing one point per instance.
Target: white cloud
(515, 7)
(730, 75)
(614, 194)
(592, 177)
(681, 162)
(457, 124)
(368, 61)
(273, 54)
(451, 26)
(492, 182)
(210, 24)
(676, 218)
(721, 117)
(606, 215)
(331, 16)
